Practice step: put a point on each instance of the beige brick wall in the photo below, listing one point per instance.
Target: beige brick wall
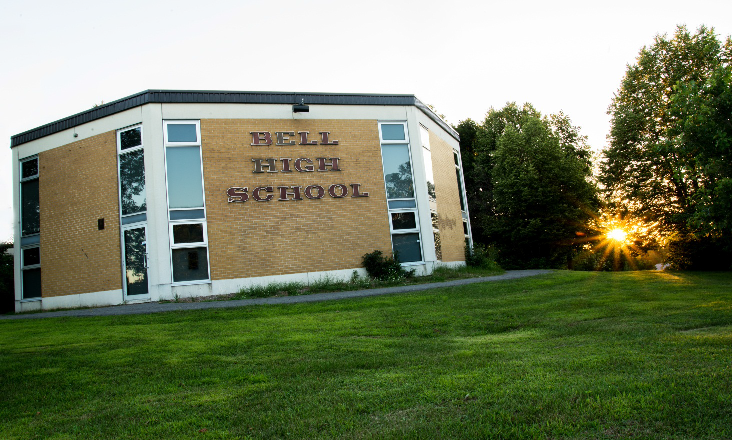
(253, 238)
(448, 201)
(77, 186)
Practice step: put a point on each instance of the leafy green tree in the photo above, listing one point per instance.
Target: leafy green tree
(669, 156)
(704, 112)
(477, 169)
(530, 186)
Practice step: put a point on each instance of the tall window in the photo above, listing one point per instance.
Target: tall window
(431, 190)
(133, 210)
(30, 225)
(186, 203)
(459, 175)
(30, 206)
(133, 201)
(399, 181)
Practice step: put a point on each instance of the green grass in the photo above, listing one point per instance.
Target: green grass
(567, 355)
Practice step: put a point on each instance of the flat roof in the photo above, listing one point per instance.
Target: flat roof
(224, 97)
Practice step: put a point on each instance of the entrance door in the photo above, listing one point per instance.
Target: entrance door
(135, 271)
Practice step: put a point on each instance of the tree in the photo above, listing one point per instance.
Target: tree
(477, 168)
(530, 189)
(669, 155)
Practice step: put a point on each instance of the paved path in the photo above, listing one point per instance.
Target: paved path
(154, 307)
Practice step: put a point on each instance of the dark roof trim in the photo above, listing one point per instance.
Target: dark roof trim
(212, 97)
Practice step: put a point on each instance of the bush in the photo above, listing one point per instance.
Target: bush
(384, 268)
(481, 256)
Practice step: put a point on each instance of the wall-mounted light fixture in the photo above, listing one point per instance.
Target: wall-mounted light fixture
(301, 108)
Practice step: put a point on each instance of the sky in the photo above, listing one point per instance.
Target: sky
(462, 57)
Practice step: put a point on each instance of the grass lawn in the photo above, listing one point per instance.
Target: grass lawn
(566, 355)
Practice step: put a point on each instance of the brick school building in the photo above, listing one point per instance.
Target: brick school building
(168, 194)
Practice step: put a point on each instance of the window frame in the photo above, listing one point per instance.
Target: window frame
(20, 190)
(461, 182)
(415, 209)
(28, 159)
(404, 231)
(195, 122)
(194, 245)
(172, 222)
(124, 228)
(121, 152)
(463, 196)
(424, 133)
(175, 245)
(167, 145)
(24, 267)
(395, 141)
(119, 139)
(135, 220)
(35, 237)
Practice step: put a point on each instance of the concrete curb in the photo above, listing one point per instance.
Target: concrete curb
(154, 307)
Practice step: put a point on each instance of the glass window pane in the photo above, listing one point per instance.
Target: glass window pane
(29, 168)
(190, 264)
(185, 188)
(403, 220)
(460, 189)
(182, 133)
(130, 138)
(32, 239)
(192, 233)
(32, 283)
(465, 228)
(31, 256)
(132, 182)
(134, 219)
(30, 208)
(187, 214)
(135, 261)
(392, 132)
(397, 171)
(425, 136)
(407, 247)
(402, 204)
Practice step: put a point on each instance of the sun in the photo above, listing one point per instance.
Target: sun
(617, 234)
(620, 239)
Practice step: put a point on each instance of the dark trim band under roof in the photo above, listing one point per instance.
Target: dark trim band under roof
(215, 97)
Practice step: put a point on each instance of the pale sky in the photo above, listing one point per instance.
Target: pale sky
(462, 57)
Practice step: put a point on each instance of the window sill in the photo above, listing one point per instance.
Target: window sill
(190, 283)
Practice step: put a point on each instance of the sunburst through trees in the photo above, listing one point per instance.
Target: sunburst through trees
(621, 243)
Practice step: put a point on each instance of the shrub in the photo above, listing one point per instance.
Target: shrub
(590, 260)
(481, 256)
(384, 268)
